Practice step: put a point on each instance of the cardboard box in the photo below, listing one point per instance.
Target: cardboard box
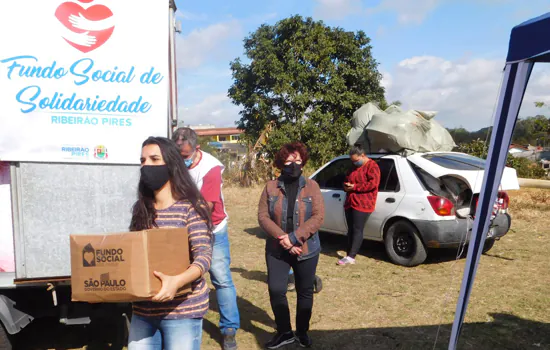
(118, 267)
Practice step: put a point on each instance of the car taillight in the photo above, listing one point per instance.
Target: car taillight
(441, 206)
(502, 203)
(503, 200)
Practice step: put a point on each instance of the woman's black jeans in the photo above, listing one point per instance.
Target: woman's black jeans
(278, 267)
(356, 221)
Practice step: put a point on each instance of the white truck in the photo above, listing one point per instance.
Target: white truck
(82, 84)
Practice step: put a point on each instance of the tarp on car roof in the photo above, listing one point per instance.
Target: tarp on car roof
(395, 130)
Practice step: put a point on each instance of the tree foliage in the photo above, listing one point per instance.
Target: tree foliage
(477, 148)
(461, 135)
(383, 104)
(524, 167)
(309, 79)
(528, 131)
(204, 142)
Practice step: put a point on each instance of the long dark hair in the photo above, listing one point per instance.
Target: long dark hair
(183, 188)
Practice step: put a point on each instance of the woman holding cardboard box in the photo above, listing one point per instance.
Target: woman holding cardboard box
(168, 198)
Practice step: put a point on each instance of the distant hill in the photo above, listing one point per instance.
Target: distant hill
(461, 135)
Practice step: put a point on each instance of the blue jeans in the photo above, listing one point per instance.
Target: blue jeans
(155, 333)
(220, 274)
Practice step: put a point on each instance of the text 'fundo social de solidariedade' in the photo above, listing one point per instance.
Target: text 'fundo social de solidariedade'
(82, 71)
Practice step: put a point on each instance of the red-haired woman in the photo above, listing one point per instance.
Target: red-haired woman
(291, 211)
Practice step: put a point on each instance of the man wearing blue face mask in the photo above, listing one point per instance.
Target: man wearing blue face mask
(207, 171)
(361, 187)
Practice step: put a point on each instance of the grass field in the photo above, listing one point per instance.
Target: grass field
(378, 305)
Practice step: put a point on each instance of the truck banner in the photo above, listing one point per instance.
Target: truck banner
(83, 81)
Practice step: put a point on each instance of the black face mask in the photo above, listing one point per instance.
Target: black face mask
(155, 176)
(292, 171)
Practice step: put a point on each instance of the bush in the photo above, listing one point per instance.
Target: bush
(476, 148)
(246, 171)
(242, 170)
(526, 168)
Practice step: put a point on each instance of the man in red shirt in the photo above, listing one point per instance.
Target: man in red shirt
(362, 190)
(207, 171)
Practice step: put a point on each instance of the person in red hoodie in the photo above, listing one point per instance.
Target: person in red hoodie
(362, 190)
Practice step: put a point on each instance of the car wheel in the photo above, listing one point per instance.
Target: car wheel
(489, 243)
(5, 339)
(403, 244)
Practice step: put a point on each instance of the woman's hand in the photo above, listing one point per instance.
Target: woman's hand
(284, 241)
(295, 250)
(348, 187)
(170, 285)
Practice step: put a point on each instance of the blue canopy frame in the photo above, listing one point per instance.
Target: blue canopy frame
(528, 44)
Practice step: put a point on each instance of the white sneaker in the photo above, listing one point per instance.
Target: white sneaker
(346, 261)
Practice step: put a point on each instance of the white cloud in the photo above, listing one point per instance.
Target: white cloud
(386, 81)
(463, 92)
(408, 11)
(538, 89)
(189, 16)
(336, 9)
(209, 43)
(215, 109)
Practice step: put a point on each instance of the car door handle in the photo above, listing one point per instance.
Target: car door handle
(336, 195)
(390, 200)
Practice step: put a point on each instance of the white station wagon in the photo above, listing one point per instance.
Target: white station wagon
(426, 200)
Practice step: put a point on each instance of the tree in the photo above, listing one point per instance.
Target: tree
(205, 146)
(309, 79)
(383, 104)
(543, 124)
(477, 148)
(532, 130)
(524, 167)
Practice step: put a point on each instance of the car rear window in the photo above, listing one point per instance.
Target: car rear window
(456, 161)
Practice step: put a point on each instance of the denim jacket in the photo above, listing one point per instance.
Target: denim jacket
(308, 215)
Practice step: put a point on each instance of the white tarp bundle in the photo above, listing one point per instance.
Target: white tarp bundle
(395, 130)
(361, 118)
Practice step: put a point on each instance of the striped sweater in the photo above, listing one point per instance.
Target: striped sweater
(195, 303)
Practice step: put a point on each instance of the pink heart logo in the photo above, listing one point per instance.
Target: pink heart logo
(90, 27)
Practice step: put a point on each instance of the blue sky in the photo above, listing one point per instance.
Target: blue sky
(442, 55)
